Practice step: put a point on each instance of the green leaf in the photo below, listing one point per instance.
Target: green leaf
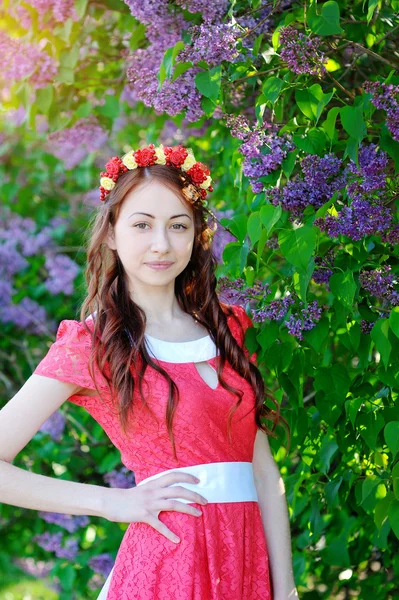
(390, 146)
(381, 510)
(301, 280)
(335, 383)
(379, 335)
(297, 245)
(318, 335)
(352, 150)
(288, 164)
(44, 98)
(395, 480)
(327, 23)
(394, 320)
(343, 287)
(168, 60)
(269, 215)
(353, 122)
(369, 485)
(254, 227)
(69, 58)
(329, 124)
(110, 108)
(181, 68)
(65, 75)
(370, 425)
(80, 7)
(208, 82)
(391, 436)
(371, 8)
(327, 451)
(393, 515)
(312, 101)
(331, 492)
(313, 142)
(271, 88)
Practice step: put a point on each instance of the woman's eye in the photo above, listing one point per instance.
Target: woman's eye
(178, 225)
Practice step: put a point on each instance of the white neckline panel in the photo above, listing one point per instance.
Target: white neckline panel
(181, 352)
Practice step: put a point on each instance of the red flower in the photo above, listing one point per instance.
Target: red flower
(196, 173)
(145, 156)
(204, 168)
(177, 155)
(113, 166)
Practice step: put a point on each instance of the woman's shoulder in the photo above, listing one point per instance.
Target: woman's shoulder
(72, 331)
(236, 313)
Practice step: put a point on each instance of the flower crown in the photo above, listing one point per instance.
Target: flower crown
(176, 156)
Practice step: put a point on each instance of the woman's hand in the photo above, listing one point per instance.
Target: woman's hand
(143, 503)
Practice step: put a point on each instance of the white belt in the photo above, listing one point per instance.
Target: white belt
(219, 482)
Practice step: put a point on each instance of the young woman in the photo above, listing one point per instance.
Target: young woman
(161, 364)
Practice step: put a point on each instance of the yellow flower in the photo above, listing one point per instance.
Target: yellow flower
(129, 161)
(205, 184)
(160, 154)
(189, 162)
(107, 183)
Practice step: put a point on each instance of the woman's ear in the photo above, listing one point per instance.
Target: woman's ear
(110, 238)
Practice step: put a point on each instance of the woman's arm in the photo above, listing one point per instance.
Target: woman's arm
(20, 419)
(19, 487)
(275, 518)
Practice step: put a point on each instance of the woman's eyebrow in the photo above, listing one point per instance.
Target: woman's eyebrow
(152, 216)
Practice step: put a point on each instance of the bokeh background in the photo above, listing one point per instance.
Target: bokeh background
(294, 106)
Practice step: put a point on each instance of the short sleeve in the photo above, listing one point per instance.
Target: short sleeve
(68, 357)
(245, 322)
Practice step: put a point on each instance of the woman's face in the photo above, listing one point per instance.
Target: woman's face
(164, 233)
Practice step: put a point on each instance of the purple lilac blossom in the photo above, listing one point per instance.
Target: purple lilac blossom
(173, 97)
(304, 319)
(391, 236)
(54, 425)
(19, 239)
(6, 292)
(231, 292)
(27, 315)
(221, 236)
(272, 243)
(263, 152)
(163, 26)
(322, 177)
(366, 326)
(323, 270)
(52, 542)
(210, 11)
(62, 273)
(370, 176)
(358, 220)
(212, 44)
(275, 310)
(366, 214)
(36, 568)
(102, 564)
(301, 52)
(72, 144)
(23, 60)
(385, 97)
(69, 522)
(120, 479)
(173, 134)
(50, 13)
(381, 284)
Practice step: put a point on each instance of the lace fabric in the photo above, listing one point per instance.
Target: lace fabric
(222, 554)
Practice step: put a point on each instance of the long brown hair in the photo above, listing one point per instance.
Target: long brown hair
(118, 348)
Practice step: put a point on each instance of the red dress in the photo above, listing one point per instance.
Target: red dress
(223, 554)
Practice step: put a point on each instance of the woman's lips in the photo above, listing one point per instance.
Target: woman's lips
(159, 266)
